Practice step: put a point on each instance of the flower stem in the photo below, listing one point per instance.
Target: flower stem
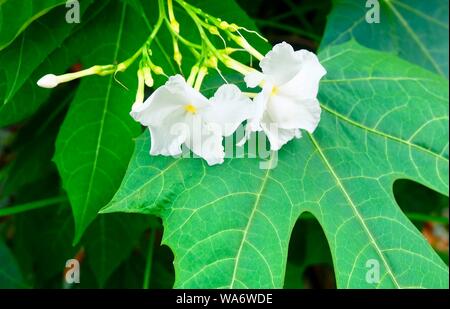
(200, 77)
(141, 86)
(418, 217)
(193, 75)
(239, 39)
(31, 206)
(173, 22)
(250, 94)
(225, 59)
(183, 39)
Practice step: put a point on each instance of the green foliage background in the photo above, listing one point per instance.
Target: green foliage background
(364, 186)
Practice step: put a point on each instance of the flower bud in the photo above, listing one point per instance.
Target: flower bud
(48, 81)
(212, 62)
(140, 93)
(213, 30)
(175, 26)
(233, 28)
(158, 70)
(229, 50)
(178, 57)
(148, 77)
(224, 25)
(241, 42)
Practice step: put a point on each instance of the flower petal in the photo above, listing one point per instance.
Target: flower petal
(178, 86)
(281, 64)
(305, 85)
(293, 113)
(168, 100)
(257, 112)
(167, 140)
(228, 109)
(161, 104)
(204, 142)
(277, 136)
(253, 79)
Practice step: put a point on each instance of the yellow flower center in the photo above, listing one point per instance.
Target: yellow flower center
(274, 90)
(190, 108)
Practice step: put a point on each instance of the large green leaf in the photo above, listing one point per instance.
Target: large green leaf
(416, 30)
(16, 15)
(10, 276)
(36, 52)
(229, 225)
(95, 141)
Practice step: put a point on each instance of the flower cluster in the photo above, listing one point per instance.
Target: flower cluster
(178, 114)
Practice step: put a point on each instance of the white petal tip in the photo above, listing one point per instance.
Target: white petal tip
(215, 161)
(48, 81)
(136, 106)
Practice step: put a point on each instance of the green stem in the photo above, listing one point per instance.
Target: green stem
(193, 74)
(162, 15)
(226, 60)
(126, 64)
(31, 206)
(200, 77)
(182, 39)
(250, 94)
(149, 264)
(418, 217)
(161, 18)
(240, 40)
(170, 9)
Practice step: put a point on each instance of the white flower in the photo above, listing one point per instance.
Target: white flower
(48, 81)
(287, 103)
(178, 114)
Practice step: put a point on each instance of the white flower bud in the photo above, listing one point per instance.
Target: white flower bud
(48, 81)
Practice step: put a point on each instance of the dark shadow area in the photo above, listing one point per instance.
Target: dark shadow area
(144, 264)
(309, 264)
(427, 210)
(302, 23)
